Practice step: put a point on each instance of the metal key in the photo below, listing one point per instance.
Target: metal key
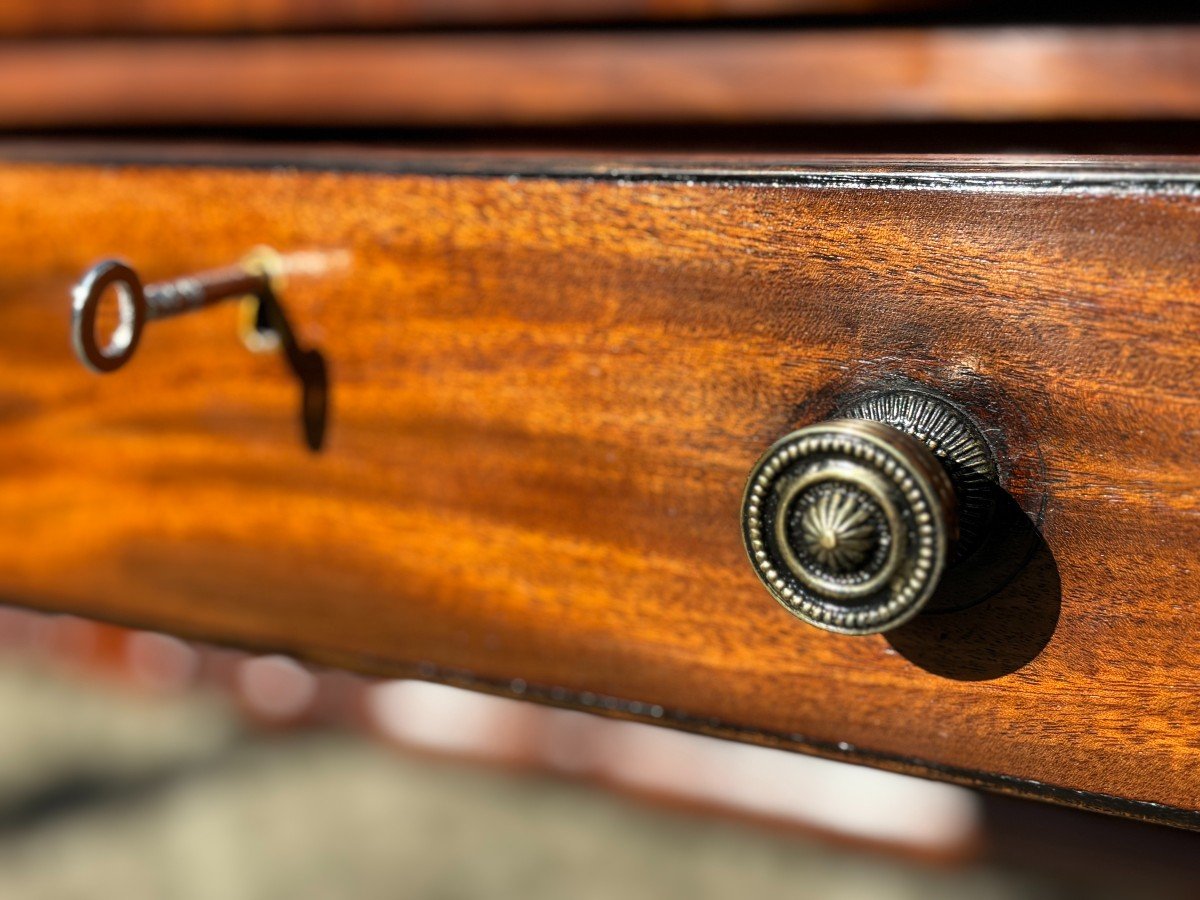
(138, 305)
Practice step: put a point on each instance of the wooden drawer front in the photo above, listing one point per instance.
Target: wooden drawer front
(549, 384)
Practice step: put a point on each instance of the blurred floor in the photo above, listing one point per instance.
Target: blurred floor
(110, 793)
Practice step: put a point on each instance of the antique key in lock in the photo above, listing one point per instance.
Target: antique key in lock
(267, 324)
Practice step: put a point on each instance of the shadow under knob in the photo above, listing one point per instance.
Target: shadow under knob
(849, 524)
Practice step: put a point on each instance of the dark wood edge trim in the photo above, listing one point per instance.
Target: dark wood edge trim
(656, 714)
(653, 714)
(1177, 176)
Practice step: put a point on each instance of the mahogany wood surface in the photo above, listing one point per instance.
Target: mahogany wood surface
(550, 379)
(86, 17)
(650, 77)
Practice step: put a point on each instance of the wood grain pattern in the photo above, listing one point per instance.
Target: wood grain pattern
(548, 391)
(80, 17)
(660, 78)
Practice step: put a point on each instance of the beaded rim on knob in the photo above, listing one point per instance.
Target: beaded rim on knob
(849, 524)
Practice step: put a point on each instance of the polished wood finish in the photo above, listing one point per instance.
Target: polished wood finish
(62, 17)
(651, 77)
(550, 379)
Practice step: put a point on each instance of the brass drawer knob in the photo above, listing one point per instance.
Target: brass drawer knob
(265, 324)
(850, 523)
